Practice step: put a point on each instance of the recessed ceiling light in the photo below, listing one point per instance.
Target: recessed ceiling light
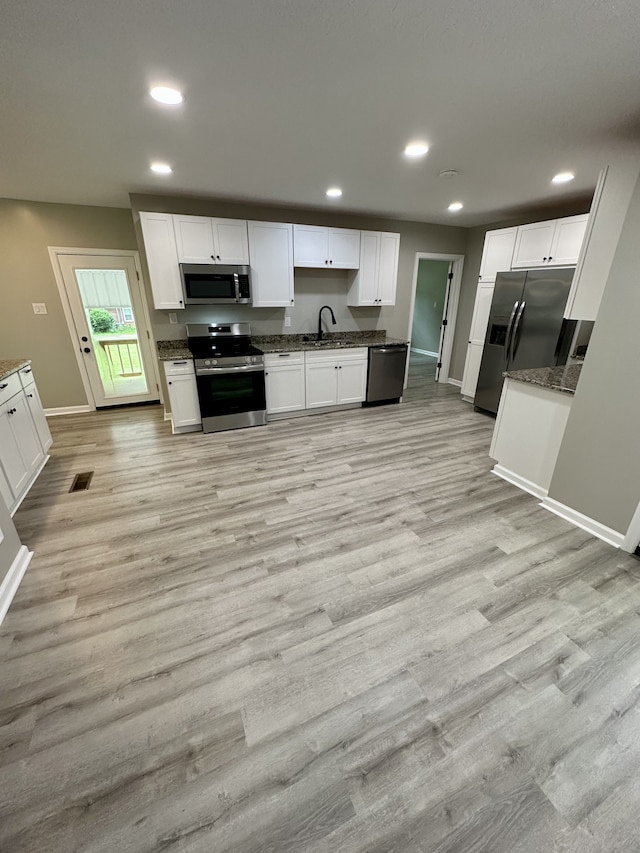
(416, 149)
(562, 178)
(334, 192)
(455, 205)
(161, 168)
(166, 95)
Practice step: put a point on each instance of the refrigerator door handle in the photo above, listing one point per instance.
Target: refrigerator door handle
(507, 340)
(516, 326)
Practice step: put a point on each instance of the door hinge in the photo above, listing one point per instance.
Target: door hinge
(157, 387)
(148, 335)
(439, 364)
(137, 275)
(444, 322)
(450, 276)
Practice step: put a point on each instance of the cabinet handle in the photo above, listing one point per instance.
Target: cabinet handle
(26, 370)
(284, 354)
(179, 362)
(11, 411)
(4, 385)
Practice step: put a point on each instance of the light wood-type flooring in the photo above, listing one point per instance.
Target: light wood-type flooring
(335, 633)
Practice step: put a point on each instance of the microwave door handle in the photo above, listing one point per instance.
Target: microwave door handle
(236, 282)
(507, 340)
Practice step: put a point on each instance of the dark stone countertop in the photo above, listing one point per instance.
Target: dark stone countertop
(336, 340)
(10, 365)
(563, 378)
(173, 350)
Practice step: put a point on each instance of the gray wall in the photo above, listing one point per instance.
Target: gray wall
(26, 230)
(11, 544)
(430, 293)
(312, 287)
(470, 273)
(598, 467)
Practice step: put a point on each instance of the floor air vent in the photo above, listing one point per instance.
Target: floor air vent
(81, 482)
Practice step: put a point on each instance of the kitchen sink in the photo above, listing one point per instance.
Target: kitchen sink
(325, 343)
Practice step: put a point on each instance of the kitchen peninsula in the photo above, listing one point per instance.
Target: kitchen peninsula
(532, 416)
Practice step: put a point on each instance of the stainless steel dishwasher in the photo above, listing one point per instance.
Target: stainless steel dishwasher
(386, 373)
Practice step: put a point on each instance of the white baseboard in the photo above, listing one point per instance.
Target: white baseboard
(424, 352)
(632, 538)
(601, 531)
(10, 584)
(520, 482)
(456, 382)
(68, 410)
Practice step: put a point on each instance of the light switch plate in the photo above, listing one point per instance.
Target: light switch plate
(173, 318)
(39, 308)
(287, 322)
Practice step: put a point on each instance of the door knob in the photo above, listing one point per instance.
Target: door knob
(86, 349)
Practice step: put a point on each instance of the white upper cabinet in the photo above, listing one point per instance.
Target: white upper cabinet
(271, 252)
(497, 253)
(204, 240)
(317, 246)
(553, 243)
(162, 260)
(376, 280)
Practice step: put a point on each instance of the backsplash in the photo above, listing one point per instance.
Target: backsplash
(313, 289)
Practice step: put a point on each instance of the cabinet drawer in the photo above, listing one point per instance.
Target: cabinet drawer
(26, 375)
(9, 386)
(347, 354)
(180, 367)
(281, 359)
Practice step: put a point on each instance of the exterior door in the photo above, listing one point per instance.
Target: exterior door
(108, 326)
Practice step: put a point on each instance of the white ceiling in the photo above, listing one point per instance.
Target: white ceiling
(287, 97)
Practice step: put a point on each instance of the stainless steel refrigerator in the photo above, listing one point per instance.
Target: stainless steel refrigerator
(524, 330)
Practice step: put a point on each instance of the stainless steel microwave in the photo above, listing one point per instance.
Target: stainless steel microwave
(207, 284)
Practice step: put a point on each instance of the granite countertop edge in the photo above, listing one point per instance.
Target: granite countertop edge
(12, 365)
(178, 350)
(563, 379)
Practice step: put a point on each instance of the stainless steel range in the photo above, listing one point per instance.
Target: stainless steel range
(229, 376)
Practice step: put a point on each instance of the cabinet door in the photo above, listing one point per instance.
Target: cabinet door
(271, 253)
(481, 311)
(567, 240)
(352, 381)
(194, 239)
(497, 253)
(471, 370)
(13, 464)
(388, 268)
(321, 383)
(533, 244)
(183, 396)
(310, 246)
(344, 248)
(285, 388)
(5, 490)
(364, 288)
(162, 260)
(25, 433)
(38, 416)
(230, 241)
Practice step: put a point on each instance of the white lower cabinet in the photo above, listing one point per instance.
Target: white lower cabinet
(285, 382)
(183, 395)
(471, 370)
(24, 436)
(336, 377)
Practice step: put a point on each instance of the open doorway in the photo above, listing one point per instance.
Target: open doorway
(432, 315)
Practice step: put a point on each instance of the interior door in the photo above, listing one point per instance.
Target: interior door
(445, 320)
(108, 326)
(539, 318)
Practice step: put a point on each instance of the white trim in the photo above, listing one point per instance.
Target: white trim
(455, 382)
(520, 482)
(454, 297)
(10, 584)
(54, 255)
(424, 352)
(612, 537)
(632, 537)
(26, 489)
(67, 410)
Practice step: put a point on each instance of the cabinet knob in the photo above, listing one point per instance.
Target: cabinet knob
(292, 301)
(30, 395)
(218, 257)
(86, 349)
(330, 262)
(169, 383)
(550, 257)
(336, 367)
(326, 262)
(213, 257)
(544, 259)
(84, 339)
(339, 367)
(11, 412)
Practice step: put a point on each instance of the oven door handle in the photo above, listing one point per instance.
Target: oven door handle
(240, 368)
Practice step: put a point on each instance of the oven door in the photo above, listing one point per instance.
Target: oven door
(232, 397)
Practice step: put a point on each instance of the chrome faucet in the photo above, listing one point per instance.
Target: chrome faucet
(333, 319)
